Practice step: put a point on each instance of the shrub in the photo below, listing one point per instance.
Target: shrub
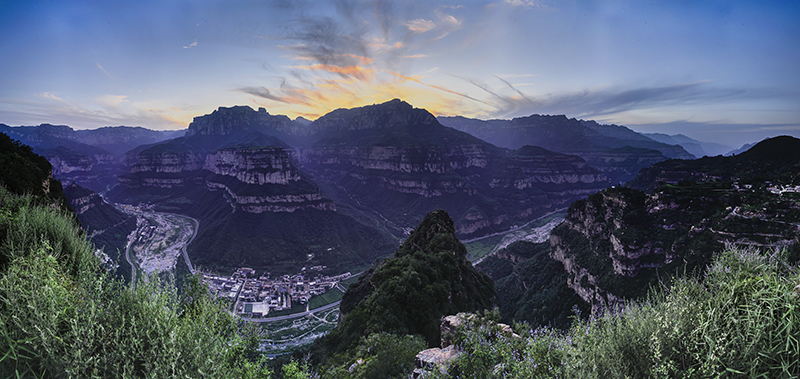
(63, 316)
(741, 319)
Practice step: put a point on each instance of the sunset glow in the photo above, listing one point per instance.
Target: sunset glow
(711, 70)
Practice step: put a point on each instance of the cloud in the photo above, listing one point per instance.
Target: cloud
(361, 52)
(510, 101)
(191, 45)
(49, 95)
(104, 71)
(110, 101)
(420, 25)
(344, 71)
(447, 24)
(327, 42)
(262, 92)
(529, 4)
(440, 88)
(108, 110)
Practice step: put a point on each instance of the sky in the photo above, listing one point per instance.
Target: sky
(718, 71)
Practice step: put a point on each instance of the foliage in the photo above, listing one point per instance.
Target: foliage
(534, 289)
(24, 172)
(428, 277)
(740, 319)
(379, 355)
(63, 316)
(775, 158)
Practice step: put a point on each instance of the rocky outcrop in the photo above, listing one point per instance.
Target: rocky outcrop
(434, 359)
(226, 121)
(394, 113)
(82, 200)
(441, 358)
(253, 180)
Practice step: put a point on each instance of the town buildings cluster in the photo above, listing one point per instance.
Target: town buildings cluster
(257, 296)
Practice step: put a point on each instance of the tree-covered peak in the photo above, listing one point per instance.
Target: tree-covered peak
(436, 233)
(427, 278)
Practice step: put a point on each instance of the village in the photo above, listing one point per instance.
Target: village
(256, 297)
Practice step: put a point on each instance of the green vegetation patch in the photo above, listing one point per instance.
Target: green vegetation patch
(63, 315)
(331, 296)
(740, 320)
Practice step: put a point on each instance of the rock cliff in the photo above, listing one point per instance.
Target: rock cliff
(226, 121)
(252, 179)
(617, 242)
(399, 161)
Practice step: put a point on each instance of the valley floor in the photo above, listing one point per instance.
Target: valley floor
(159, 239)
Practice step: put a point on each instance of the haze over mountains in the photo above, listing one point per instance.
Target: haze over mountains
(271, 192)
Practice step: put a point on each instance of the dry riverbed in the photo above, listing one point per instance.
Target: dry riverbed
(158, 241)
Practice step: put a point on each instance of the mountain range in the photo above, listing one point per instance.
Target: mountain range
(93, 157)
(274, 193)
(616, 150)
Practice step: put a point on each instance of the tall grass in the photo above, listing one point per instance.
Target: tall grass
(63, 316)
(742, 319)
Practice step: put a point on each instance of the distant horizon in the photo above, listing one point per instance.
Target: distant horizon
(715, 71)
(631, 127)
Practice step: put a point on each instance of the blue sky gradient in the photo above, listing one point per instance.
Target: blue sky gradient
(719, 71)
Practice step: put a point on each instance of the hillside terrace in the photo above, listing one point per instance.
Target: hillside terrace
(257, 296)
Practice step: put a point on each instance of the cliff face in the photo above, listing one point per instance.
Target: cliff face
(253, 180)
(617, 242)
(400, 162)
(593, 246)
(459, 178)
(226, 121)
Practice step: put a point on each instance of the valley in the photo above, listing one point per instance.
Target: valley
(159, 240)
(535, 231)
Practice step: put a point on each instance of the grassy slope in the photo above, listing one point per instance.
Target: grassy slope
(63, 315)
(741, 319)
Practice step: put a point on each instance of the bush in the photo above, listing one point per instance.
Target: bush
(63, 316)
(741, 319)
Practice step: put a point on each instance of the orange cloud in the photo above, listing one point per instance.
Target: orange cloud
(420, 25)
(345, 71)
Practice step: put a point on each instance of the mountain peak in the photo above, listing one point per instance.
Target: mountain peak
(777, 148)
(390, 114)
(427, 278)
(225, 121)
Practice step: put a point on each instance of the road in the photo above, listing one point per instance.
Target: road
(294, 315)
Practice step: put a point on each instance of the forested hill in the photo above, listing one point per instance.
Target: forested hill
(24, 172)
(407, 294)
